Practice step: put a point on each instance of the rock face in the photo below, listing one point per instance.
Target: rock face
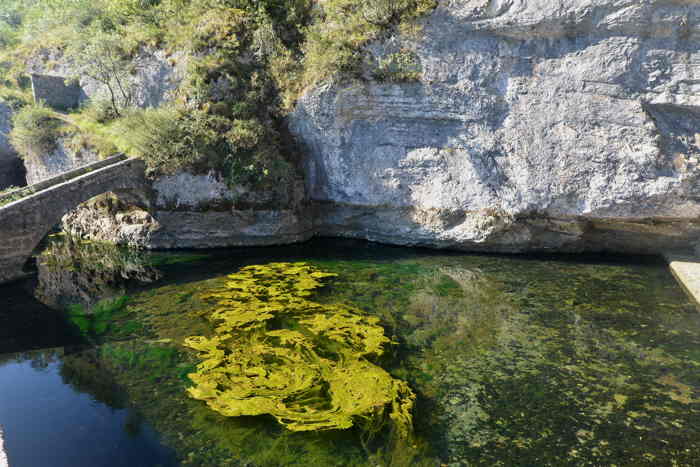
(563, 125)
(56, 92)
(63, 158)
(199, 211)
(196, 211)
(3, 455)
(11, 168)
(156, 75)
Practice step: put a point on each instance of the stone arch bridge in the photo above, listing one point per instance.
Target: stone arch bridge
(26, 221)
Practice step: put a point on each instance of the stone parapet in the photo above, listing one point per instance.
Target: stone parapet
(23, 223)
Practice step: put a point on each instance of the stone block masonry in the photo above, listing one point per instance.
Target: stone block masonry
(56, 91)
(686, 270)
(25, 222)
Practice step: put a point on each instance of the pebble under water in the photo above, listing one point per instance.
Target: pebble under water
(514, 360)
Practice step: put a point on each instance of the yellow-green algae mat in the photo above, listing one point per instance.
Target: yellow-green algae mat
(305, 363)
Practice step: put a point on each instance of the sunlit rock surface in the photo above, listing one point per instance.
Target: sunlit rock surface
(156, 74)
(534, 125)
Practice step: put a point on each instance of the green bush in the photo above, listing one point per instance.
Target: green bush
(35, 130)
(165, 138)
(99, 111)
(398, 67)
(335, 39)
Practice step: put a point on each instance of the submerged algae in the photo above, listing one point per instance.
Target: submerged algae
(305, 363)
(514, 362)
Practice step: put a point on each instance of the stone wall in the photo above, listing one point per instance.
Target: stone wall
(57, 92)
(24, 223)
(197, 211)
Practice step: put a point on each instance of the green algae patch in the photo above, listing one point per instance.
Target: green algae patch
(308, 364)
(93, 323)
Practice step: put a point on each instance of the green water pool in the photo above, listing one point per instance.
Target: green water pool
(515, 361)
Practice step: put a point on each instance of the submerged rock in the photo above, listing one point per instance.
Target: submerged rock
(552, 125)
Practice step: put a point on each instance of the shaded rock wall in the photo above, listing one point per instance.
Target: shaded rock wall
(11, 167)
(534, 125)
(196, 211)
(56, 92)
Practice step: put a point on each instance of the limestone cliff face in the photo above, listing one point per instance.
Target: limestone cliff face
(506, 125)
(517, 125)
(11, 168)
(155, 77)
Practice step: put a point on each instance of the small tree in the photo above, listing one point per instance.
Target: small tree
(99, 55)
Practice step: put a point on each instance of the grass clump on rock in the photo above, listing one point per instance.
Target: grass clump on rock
(35, 131)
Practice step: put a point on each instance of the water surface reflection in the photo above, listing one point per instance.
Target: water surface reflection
(58, 410)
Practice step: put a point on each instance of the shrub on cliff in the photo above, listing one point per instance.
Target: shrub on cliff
(35, 130)
(167, 139)
(335, 39)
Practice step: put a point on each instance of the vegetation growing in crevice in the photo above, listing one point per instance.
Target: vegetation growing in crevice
(307, 364)
(246, 64)
(400, 66)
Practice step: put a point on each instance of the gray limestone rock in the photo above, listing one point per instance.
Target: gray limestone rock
(3, 455)
(63, 158)
(562, 125)
(156, 75)
(196, 211)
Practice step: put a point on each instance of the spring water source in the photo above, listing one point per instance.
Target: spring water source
(533, 361)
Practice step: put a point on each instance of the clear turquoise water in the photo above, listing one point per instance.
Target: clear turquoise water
(532, 361)
(50, 418)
